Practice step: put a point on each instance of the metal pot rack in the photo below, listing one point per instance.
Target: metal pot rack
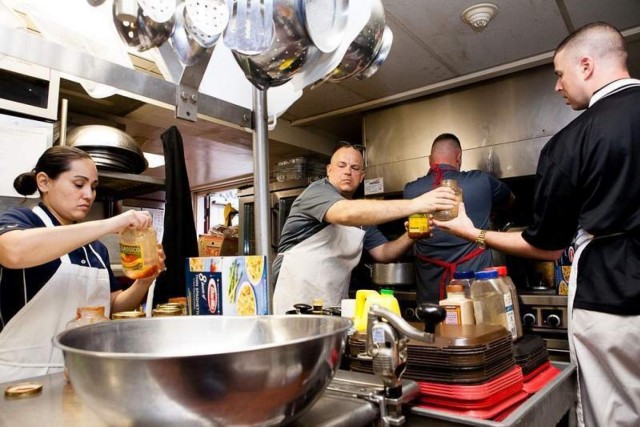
(181, 94)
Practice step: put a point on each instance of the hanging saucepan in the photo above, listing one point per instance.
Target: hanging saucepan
(381, 56)
(290, 49)
(144, 24)
(364, 48)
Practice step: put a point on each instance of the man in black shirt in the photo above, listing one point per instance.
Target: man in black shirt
(587, 181)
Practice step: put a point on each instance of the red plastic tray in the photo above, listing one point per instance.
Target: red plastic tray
(478, 404)
(541, 379)
(476, 391)
(486, 413)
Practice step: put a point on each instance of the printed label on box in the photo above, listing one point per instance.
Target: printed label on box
(204, 292)
(244, 287)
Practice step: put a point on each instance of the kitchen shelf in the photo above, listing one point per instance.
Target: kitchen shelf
(118, 185)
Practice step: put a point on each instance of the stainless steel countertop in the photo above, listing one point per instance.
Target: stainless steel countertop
(58, 405)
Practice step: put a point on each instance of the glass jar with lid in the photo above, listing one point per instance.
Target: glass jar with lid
(449, 214)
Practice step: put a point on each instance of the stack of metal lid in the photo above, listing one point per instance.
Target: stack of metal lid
(110, 148)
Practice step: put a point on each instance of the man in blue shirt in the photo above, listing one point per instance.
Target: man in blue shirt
(438, 257)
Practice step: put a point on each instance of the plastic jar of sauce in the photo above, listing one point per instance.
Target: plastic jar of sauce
(418, 226)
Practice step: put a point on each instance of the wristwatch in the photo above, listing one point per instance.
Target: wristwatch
(480, 239)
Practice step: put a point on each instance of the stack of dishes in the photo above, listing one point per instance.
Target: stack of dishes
(465, 354)
(531, 355)
(110, 148)
(468, 370)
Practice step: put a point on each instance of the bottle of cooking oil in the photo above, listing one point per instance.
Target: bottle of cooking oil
(492, 303)
(139, 252)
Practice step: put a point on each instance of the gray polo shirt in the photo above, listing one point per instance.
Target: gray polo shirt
(306, 218)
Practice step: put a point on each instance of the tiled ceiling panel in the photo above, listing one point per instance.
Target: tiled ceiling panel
(520, 29)
(621, 13)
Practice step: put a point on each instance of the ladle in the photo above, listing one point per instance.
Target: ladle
(145, 26)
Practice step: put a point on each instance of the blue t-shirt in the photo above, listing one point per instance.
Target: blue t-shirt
(481, 192)
(12, 297)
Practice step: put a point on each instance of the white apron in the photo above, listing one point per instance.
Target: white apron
(26, 342)
(318, 267)
(606, 349)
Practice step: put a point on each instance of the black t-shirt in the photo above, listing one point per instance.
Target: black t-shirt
(588, 177)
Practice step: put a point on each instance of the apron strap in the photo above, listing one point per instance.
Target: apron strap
(48, 223)
(449, 267)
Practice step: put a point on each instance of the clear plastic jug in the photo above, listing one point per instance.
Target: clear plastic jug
(492, 303)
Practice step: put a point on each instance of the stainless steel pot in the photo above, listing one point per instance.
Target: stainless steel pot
(402, 273)
(203, 370)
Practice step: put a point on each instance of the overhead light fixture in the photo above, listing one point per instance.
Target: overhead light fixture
(479, 15)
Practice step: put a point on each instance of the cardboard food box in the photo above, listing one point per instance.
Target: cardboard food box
(563, 272)
(237, 283)
(209, 245)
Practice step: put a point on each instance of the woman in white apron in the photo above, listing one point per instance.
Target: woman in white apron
(39, 294)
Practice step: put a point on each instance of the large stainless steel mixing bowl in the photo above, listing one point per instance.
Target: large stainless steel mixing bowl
(203, 370)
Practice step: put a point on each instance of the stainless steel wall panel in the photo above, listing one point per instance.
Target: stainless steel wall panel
(502, 125)
(507, 160)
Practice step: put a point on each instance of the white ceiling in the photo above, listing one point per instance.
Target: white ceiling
(433, 50)
(432, 45)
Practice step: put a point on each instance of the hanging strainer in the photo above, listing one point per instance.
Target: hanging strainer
(158, 10)
(205, 20)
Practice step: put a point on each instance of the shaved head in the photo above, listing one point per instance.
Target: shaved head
(446, 149)
(599, 40)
